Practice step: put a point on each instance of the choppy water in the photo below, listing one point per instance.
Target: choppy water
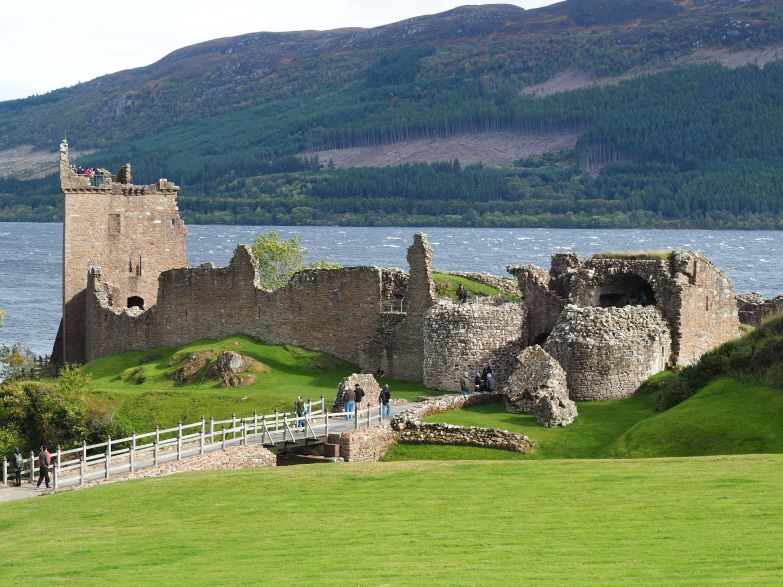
(31, 257)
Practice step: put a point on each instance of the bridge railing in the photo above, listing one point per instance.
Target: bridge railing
(91, 462)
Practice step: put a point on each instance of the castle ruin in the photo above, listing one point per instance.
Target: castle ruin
(610, 322)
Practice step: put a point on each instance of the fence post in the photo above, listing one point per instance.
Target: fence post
(5, 471)
(223, 429)
(326, 425)
(108, 458)
(201, 438)
(179, 441)
(57, 456)
(55, 474)
(234, 424)
(32, 467)
(156, 448)
(356, 416)
(255, 422)
(323, 405)
(211, 430)
(242, 434)
(83, 464)
(276, 419)
(369, 411)
(133, 452)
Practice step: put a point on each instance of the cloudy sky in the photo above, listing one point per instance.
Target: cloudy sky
(48, 44)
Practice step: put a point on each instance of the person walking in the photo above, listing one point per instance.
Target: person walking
(18, 464)
(463, 384)
(299, 408)
(44, 460)
(349, 402)
(359, 392)
(477, 382)
(385, 399)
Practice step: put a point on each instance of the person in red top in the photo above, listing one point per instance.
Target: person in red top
(44, 460)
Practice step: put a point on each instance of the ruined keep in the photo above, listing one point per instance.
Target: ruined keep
(132, 232)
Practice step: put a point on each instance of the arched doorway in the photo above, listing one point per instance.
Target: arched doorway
(625, 289)
(135, 302)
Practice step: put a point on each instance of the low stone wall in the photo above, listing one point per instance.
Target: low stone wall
(429, 406)
(251, 456)
(365, 445)
(753, 308)
(415, 432)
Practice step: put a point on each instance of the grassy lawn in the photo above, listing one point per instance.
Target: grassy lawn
(727, 416)
(446, 287)
(643, 522)
(140, 384)
(594, 431)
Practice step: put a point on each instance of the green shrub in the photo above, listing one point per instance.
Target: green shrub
(11, 438)
(767, 353)
(672, 391)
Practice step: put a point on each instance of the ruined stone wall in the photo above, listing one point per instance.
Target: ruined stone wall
(133, 233)
(461, 337)
(544, 304)
(754, 309)
(415, 432)
(335, 311)
(367, 444)
(607, 352)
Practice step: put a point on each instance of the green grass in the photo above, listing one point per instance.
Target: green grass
(727, 416)
(645, 522)
(139, 384)
(591, 435)
(446, 287)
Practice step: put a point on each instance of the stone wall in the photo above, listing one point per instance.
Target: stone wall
(415, 432)
(367, 444)
(251, 456)
(429, 406)
(754, 309)
(461, 337)
(132, 232)
(607, 352)
(544, 304)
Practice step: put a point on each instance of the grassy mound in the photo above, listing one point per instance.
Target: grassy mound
(726, 417)
(446, 287)
(146, 389)
(592, 434)
(525, 523)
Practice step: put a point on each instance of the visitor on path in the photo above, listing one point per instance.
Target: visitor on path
(359, 393)
(477, 382)
(44, 460)
(349, 402)
(462, 294)
(385, 399)
(18, 464)
(463, 384)
(487, 371)
(490, 383)
(299, 408)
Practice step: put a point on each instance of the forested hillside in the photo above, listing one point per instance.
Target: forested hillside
(236, 121)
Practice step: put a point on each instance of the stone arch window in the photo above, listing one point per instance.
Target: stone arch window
(625, 289)
(135, 302)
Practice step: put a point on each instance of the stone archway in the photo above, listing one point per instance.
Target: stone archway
(625, 289)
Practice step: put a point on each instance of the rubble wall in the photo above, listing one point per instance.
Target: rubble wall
(607, 352)
(461, 337)
(754, 309)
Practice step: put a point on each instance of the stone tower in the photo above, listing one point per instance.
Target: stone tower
(132, 232)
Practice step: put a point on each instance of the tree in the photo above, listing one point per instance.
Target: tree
(279, 259)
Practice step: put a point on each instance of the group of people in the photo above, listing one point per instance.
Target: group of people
(352, 400)
(482, 381)
(44, 462)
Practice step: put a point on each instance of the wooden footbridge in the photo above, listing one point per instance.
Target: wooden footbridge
(278, 431)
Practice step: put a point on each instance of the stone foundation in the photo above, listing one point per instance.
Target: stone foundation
(367, 444)
(754, 309)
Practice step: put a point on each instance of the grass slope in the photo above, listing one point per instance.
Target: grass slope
(727, 416)
(141, 387)
(554, 522)
(597, 427)
(446, 286)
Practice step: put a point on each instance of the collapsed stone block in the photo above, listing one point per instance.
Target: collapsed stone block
(537, 374)
(552, 411)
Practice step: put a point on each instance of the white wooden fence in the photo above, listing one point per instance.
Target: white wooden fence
(102, 460)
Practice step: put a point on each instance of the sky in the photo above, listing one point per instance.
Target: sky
(48, 44)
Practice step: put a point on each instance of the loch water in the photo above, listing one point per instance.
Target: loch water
(31, 257)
